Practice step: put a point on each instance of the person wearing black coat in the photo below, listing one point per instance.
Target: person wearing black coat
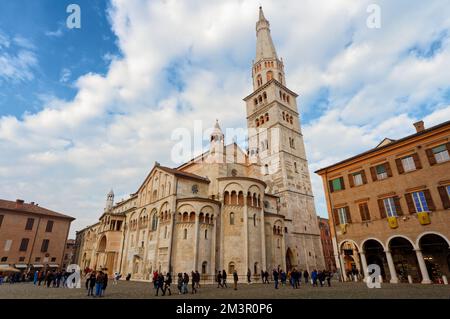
(90, 284)
(104, 283)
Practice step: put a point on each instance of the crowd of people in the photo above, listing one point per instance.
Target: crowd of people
(48, 278)
(96, 283)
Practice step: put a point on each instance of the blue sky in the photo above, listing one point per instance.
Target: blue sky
(86, 110)
(60, 54)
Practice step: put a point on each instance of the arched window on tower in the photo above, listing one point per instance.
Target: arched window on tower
(266, 169)
(261, 119)
(280, 78)
(284, 117)
(254, 220)
(257, 122)
(267, 117)
(259, 80)
(291, 119)
(185, 234)
(295, 167)
(231, 218)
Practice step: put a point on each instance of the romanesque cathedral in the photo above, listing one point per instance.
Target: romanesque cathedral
(225, 209)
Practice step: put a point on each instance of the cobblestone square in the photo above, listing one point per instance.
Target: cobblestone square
(144, 290)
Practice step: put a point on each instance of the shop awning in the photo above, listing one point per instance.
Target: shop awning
(4, 266)
(21, 266)
(38, 265)
(53, 265)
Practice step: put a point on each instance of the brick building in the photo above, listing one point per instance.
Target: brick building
(31, 236)
(327, 244)
(390, 206)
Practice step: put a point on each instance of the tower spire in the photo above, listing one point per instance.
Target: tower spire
(264, 44)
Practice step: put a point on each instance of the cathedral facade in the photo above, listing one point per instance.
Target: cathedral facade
(225, 209)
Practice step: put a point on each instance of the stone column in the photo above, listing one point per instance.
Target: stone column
(364, 265)
(344, 273)
(213, 246)
(246, 258)
(283, 249)
(394, 278)
(196, 231)
(263, 242)
(423, 267)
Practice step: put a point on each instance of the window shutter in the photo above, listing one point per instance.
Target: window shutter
(341, 179)
(361, 212)
(330, 183)
(382, 209)
(350, 180)
(398, 207)
(429, 199)
(364, 178)
(347, 213)
(430, 155)
(373, 174)
(410, 203)
(399, 164)
(336, 217)
(387, 166)
(417, 162)
(444, 196)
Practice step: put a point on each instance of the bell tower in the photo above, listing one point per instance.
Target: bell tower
(276, 143)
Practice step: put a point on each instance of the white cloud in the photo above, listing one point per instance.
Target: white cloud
(65, 75)
(71, 153)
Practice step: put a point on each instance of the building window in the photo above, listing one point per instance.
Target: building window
(8, 244)
(254, 220)
(441, 153)
(266, 169)
(24, 244)
(53, 259)
(4, 259)
(49, 227)
(30, 223)
(206, 234)
(44, 247)
(337, 184)
(231, 218)
(381, 172)
(342, 214)
(1, 220)
(420, 202)
(389, 206)
(185, 234)
(357, 179)
(408, 164)
(295, 167)
(364, 211)
(37, 259)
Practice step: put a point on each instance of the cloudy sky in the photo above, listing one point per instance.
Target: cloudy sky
(86, 110)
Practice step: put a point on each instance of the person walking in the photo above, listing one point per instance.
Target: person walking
(104, 283)
(185, 283)
(36, 277)
(219, 279)
(224, 279)
(262, 276)
(314, 278)
(275, 277)
(155, 279)
(306, 276)
(283, 278)
(328, 277)
(180, 283)
(194, 290)
(159, 284)
(197, 279)
(249, 276)
(167, 284)
(235, 279)
(98, 284)
(266, 274)
(90, 284)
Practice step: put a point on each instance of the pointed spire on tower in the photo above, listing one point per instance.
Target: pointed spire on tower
(264, 43)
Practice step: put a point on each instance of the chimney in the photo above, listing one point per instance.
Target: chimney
(419, 126)
(19, 203)
(31, 203)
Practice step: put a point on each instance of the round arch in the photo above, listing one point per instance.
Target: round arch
(430, 233)
(388, 241)
(374, 239)
(102, 244)
(350, 241)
